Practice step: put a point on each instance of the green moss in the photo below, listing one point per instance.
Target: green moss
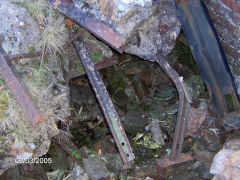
(97, 57)
(37, 79)
(31, 48)
(75, 28)
(184, 55)
(146, 140)
(229, 101)
(79, 67)
(75, 154)
(62, 82)
(116, 81)
(36, 8)
(2, 139)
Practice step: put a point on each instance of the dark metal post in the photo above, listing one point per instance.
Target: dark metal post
(209, 55)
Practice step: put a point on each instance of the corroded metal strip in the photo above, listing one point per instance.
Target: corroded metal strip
(99, 29)
(105, 102)
(183, 108)
(209, 55)
(20, 93)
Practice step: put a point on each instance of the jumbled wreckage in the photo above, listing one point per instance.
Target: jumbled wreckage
(108, 26)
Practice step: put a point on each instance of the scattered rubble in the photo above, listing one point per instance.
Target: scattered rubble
(145, 98)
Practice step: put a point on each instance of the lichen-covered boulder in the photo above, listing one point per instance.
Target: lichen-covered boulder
(225, 164)
(149, 26)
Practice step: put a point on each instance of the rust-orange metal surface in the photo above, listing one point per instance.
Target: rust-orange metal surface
(20, 93)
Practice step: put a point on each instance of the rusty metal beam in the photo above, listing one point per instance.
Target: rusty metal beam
(99, 29)
(20, 93)
(209, 55)
(183, 108)
(106, 104)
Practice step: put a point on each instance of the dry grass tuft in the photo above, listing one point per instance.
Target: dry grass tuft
(36, 8)
(54, 34)
(12, 119)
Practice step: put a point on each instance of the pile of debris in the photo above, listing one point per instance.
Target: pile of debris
(39, 77)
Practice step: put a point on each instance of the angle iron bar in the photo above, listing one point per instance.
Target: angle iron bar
(20, 93)
(183, 107)
(105, 102)
(208, 54)
(99, 29)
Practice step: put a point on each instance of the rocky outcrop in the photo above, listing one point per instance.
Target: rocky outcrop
(149, 26)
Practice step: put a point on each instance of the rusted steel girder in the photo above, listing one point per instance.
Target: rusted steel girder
(20, 93)
(99, 29)
(185, 100)
(209, 55)
(106, 104)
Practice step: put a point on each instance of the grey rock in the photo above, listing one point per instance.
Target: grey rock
(156, 34)
(19, 30)
(77, 173)
(203, 169)
(134, 122)
(149, 27)
(13, 173)
(157, 133)
(225, 164)
(82, 95)
(209, 140)
(187, 176)
(237, 82)
(96, 169)
(195, 85)
(113, 162)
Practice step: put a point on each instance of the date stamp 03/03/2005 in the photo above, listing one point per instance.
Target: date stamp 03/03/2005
(33, 160)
